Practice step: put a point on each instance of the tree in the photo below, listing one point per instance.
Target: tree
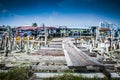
(34, 24)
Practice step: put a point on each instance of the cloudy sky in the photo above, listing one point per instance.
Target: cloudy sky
(72, 13)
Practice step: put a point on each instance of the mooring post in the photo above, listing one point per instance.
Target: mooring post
(107, 45)
(28, 42)
(14, 44)
(1, 42)
(119, 44)
(6, 46)
(31, 43)
(45, 36)
(114, 46)
(10, 44)
(90, 48)
(21, 39)
(93, 43)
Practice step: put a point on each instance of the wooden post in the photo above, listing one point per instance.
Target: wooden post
(13, 42)
(107, 45)
(45, 36)
(39, 43)
(90, 48)
(2, 43)
(6, 46)
(10, 44)
(28, 42)
(107, 49)
(32, 43)
(9, 39)
(97, 33)
(21, 44)
(119, 44)
(76, 42)
(93, 43)
(114, 46)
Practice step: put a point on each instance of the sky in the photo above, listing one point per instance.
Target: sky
(71, 13)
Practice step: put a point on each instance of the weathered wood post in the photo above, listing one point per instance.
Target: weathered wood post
(114, 45)
(111, 41)
(107, 45)
(90, 48)
(31, 42)
(82, 41)
(9, 44)
(21, 44)
(31, 45)
(25, 43)
(46, 35)
(28, 44)
(97, 33)
(119, 44)
(6, 45)
(13, 42)
(2, 43)
(39, 42)
(9, 39)
(93, 43)
(76, 42)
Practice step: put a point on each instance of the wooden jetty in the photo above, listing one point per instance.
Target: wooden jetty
(77, 57)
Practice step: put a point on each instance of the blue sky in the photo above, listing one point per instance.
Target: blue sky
(71, 13)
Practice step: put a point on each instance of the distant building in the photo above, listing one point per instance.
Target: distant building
(104, 24)
(108, 28)
(63, 31)
(79, 32)
(51, 31)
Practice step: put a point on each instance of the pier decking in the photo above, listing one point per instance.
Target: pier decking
(77, 57)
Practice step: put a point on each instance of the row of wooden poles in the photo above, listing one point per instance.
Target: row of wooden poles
(108, 45)
(9, 44)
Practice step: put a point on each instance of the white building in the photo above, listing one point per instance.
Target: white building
(104, 24)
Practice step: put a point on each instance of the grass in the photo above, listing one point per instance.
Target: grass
(69, 76)
(16, 74)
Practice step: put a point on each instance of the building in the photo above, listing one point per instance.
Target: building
(104, 24)
(51, 31)
(107, 28)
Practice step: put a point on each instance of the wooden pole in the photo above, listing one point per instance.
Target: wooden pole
(0, 42)
(90, 48)
(119, 44)
(21, 44)
(13, 41)
(28, 44)
(10, 44)
(45, 36)
(6, 46)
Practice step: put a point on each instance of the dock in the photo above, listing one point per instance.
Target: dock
(77, 57)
